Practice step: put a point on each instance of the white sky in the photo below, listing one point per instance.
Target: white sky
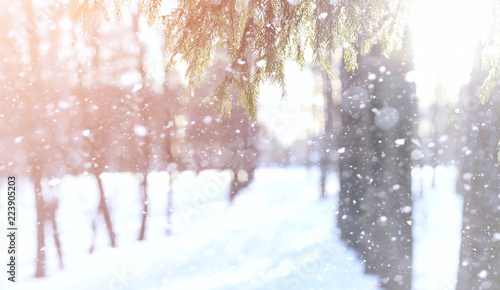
(290, 118)
(445, 33)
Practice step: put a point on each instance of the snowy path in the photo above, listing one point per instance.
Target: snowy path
(277, 235)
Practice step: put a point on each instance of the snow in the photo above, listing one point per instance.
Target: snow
(260, 63)
(279, 234)
(410, 76)
(137, 87)
(140, 130)
(438, 223)
(323, 15)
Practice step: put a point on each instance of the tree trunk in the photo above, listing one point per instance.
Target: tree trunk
(235, 186)
(170, 203)
(479, 173)
(375, 202)
(171, 167)
(40, 221)
(36, 164)
(103, 207)
(144, 191)
(328, 136)
(479, 266)
(391, 227)
(51, 210)
(145, 115)
(355, 139)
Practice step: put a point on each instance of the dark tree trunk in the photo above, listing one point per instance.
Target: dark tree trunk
(355, 139)
(391, 225)
(235, 186)
(479, 176)
(479, 266)
(375, 202)
(103, 208)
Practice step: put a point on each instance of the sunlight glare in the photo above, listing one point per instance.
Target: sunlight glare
(445, 33)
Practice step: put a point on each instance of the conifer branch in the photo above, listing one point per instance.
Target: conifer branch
(260, 36)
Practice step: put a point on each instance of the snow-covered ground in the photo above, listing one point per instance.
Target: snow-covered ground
(437, 231)
(278, 235)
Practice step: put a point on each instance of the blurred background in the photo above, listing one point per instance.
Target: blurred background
(127, 180)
